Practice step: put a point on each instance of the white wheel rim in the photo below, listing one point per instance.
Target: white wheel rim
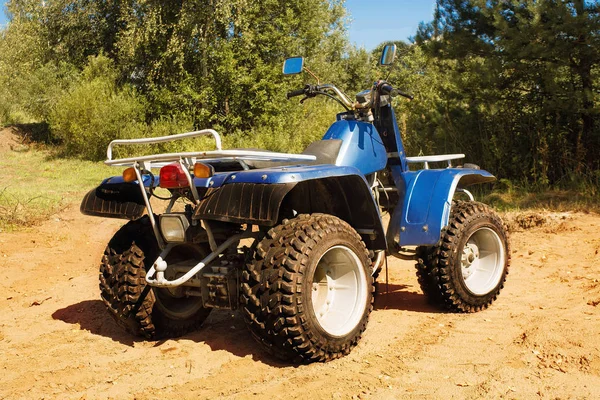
(339, 291)
(482, 261)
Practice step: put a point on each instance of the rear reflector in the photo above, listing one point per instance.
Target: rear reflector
(129, 175)
(203, 170)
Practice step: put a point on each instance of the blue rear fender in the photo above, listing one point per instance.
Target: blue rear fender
(426, 198)
(266, 196)
(273, 175)
(276, 175)
(262, 197)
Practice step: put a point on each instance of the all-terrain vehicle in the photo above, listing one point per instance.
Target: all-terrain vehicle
(295, 241)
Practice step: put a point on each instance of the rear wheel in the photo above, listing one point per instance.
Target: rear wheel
(467, 269)
(308, 293)
(143, 310)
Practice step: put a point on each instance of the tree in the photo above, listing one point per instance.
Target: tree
(530, 82)
(216, 61)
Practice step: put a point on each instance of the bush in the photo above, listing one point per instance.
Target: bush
(95, 111)
(28, 96)
(30, 80)
(302, 125)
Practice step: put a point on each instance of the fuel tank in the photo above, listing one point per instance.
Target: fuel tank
(362, 146)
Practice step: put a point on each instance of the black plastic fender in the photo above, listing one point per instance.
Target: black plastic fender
(244, 203)
(114, 200)
(347, 197)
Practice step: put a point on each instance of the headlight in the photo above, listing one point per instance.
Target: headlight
(173, 227)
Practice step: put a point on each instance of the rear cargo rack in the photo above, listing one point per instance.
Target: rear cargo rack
(430, 159)
(159, 160)
(143, 164)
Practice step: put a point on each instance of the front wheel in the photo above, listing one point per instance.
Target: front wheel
(468, 268)
(308, 293)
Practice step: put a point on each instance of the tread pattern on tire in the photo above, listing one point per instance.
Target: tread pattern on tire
(427, 274)
(123, 280)
(271, 292)
(434, 262)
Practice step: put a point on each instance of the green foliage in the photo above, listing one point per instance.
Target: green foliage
(307, 124)
(29, 96)
(513, 84)
(95, 111)
(188, 64)
(29, 83)
(521, 87)
(220, 62)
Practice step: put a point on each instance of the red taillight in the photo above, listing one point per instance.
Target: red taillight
(173, 176)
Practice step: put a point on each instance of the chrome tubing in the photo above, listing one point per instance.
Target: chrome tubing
(163, 139)
(160, 265)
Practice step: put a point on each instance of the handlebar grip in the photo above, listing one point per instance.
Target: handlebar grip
(408, 96)
(385, 89)
(297, 92)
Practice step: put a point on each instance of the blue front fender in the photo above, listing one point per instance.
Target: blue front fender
(258, 196)
(427, 198)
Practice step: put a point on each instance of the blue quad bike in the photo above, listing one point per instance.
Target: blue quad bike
(294, 241)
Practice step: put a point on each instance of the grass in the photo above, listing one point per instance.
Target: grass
(551, 199)
(34, 185)
(583, 197)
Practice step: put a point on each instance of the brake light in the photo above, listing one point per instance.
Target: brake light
(173, 176)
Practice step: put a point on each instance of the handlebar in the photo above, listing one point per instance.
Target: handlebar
(408, 96)
(294, 93)
(313, 90)
(386, 88)
(382, 87)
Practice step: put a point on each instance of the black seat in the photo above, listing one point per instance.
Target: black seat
(326, 152)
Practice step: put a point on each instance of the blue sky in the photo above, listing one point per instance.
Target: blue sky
(3, 14)
(374, 22)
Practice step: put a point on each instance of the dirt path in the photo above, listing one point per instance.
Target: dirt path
(539, 340)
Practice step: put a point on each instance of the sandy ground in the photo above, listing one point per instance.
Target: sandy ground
(539, 340)
(10, 139)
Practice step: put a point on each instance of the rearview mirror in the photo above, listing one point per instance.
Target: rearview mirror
(293, 65)
(388, 54)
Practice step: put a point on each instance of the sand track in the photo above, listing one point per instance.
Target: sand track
(539, 340)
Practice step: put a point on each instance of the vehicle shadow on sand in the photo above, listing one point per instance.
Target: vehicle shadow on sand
(399, 297)
(223, 330)
(92, 316)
